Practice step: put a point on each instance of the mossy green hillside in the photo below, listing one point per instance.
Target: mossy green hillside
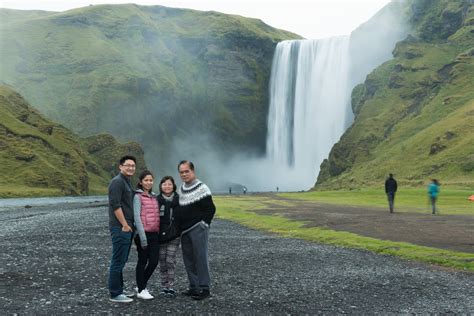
(414, 113)
(41, 158)
(146, 73)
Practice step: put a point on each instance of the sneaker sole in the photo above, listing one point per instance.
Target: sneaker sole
(145, 298)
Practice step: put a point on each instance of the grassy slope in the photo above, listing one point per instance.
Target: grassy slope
(166, 70)
(418, 123)
(41, 158)
(244, 210)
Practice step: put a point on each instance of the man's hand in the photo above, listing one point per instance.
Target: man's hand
(127, 228)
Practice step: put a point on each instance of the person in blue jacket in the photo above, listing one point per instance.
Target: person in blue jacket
(433, 191)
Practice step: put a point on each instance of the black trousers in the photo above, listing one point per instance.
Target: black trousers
(147, 259)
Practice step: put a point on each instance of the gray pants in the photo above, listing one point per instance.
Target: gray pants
(168, 262)
(194, 244)
(433, 204)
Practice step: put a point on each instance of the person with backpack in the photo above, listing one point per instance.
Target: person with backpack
(433, 191)
(169, 235)
(147, 223)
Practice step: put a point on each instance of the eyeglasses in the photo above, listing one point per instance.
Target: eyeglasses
(129, 166)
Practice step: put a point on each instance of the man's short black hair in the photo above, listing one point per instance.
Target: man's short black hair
(127, 157)
(189, 163)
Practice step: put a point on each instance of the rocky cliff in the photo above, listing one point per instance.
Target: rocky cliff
(42, 158)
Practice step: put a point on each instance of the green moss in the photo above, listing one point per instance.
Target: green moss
(41, 157)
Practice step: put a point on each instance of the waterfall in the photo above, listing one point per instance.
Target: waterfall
(309, 107)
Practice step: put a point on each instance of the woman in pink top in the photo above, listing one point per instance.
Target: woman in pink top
(147, 223)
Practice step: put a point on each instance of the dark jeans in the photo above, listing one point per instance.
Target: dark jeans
(391, 200)
(147, 259)
(121, 242)
(433, 204)
(194, 245)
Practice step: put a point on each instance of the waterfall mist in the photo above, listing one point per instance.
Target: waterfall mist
(309, 108)
(308, 112)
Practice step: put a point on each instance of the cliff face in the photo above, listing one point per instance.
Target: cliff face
(153, 74)
(414, 114)
(39, 157)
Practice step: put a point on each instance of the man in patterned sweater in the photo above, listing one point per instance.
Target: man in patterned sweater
(194, 217)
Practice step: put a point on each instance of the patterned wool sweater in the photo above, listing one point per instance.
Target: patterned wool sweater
(195, 201)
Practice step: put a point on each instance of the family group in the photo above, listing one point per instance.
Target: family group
(159, 223)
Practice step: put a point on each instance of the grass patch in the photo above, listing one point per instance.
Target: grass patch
(241, 210)
(14, 191)
(450, 202)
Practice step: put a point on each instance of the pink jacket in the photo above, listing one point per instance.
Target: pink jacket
(149, 213)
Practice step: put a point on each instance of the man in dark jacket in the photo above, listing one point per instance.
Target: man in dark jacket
(390, 189)
(121, 225)
(194, 217)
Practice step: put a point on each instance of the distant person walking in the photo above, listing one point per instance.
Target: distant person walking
(195, 215)
(147, 223)
(433, 191)
(121, 225)
(170, 234)
(390, 190)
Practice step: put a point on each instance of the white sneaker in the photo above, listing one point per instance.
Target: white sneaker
(145, 295)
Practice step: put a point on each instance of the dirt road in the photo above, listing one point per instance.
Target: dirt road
(454, 232)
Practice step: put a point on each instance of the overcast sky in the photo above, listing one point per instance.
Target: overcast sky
(308, 18)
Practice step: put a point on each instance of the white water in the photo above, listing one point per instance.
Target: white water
(15, 202)
(309, 108)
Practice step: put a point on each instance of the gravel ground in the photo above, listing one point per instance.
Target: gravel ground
(54, 260)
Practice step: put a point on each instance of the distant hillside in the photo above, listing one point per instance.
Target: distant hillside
(414, 113)
(167, 78)
(42, 158)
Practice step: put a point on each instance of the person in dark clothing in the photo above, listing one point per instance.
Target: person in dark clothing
(121, 223)
(169, 234)
(390, 189)
(196, 211)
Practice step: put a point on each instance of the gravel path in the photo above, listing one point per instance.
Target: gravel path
(54, 260)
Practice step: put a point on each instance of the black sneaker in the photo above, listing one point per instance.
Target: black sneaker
(201, 295)
(163, 291)
(190, 292)
(170, 293)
